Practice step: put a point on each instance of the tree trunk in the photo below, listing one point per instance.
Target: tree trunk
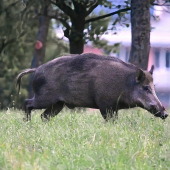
(76, 40)
(76, 44)
(39, 53)
(140, 21)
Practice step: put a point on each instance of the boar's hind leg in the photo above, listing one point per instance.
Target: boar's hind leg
(52, 111)
(28, 106)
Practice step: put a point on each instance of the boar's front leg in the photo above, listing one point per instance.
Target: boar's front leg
(52, 111)
(109, 113)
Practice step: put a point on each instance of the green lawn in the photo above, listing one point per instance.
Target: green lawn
(82, 140)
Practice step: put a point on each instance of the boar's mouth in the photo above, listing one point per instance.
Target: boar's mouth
(162, 114)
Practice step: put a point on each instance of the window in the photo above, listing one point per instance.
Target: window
(157, 56)
(127, 54)
(167, 59)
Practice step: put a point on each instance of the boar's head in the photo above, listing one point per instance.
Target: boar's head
(144, 93)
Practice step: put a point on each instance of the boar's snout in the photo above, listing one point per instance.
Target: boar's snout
(162, 114)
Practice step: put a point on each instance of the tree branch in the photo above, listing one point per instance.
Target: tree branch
(4, 44)
(74, 3)
(11, 5)
(65, 24)
(95, 4)
(107, 15)
(65, 8)
(63, 21)
(27, 6)
(89, 4)
(7, 43)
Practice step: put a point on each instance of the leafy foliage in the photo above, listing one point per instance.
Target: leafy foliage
(17, 41)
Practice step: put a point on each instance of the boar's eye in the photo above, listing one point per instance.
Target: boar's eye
(146, 88)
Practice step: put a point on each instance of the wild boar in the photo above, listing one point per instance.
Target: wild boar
(92, 81)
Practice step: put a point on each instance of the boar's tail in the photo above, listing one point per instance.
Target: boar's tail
(27, 71)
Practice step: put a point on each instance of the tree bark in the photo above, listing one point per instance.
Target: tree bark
(140, 22)
(76, 37)
(76, 40)
(39, 53)
(76, 47)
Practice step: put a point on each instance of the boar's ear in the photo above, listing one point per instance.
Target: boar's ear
(140, 76)
(151, 71)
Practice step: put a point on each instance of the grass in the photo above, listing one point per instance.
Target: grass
(82, 140)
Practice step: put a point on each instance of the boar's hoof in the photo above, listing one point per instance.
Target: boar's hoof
(27, 117)
(45, 118)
